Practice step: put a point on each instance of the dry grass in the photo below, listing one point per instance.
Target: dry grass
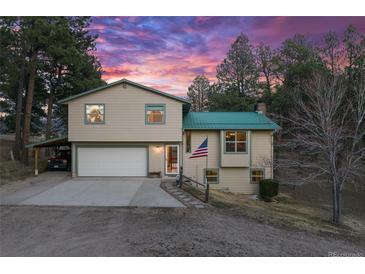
(14, 170)
(288, 212)
(194, 191)
(11, 171)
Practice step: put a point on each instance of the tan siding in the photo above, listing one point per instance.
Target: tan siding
(236, 180)
(233, 179)
(233, 159)
(156, 158)
(73, 163)
(124, 117)
(261, 156)
(194, 167)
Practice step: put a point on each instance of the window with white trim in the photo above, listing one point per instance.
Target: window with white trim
(155, 114)
(257, 175)
(235, 141)
(94, 113)
(212, 175)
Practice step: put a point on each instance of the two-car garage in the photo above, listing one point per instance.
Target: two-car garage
(111, 161)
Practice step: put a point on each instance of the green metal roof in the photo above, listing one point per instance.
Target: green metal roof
(125, 81)
(50, 142)
(227, 120)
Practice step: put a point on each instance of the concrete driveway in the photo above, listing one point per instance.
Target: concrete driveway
(138, 192)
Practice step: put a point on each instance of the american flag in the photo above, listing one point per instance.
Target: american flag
(201, 151)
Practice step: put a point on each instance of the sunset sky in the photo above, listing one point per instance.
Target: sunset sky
(168, 52)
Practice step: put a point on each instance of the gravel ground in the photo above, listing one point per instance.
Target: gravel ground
(101, 231)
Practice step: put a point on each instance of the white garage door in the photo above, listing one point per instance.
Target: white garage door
(112, 161)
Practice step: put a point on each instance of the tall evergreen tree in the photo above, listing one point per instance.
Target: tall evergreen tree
(238, 70)
(198, 93)
(55, 54)
(69, 64)
(238, 75)
(295, 62)
(13, 67)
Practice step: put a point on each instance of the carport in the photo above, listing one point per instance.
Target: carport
(54, 142)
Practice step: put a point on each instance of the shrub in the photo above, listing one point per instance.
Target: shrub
(269, 188)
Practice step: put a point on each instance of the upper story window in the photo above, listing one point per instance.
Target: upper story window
(155, 114)
(94, 113)
(235, 142)
(188, 141)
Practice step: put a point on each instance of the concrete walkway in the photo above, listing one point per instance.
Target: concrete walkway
(138, 192)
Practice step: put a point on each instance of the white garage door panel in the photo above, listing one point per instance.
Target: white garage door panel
(113, 161)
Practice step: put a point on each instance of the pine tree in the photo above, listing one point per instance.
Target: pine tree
(46, 59)
(238, 71)
(198, 93)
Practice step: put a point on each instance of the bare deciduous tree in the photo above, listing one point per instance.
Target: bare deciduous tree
(327, 131)
(264, 57)
(332, 52)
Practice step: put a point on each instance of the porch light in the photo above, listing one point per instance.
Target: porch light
(157, 149)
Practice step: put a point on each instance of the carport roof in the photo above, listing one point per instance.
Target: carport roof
(63, 140)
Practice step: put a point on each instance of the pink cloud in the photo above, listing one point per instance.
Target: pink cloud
(169, 52)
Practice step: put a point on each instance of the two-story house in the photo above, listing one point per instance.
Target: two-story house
(127, 129)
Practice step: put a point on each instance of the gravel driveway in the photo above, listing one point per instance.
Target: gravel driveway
(111, 231)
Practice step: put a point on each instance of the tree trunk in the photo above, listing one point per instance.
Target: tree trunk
(18, 116)
(49, 119)
(268, 84)
(336, 203)
(51, 98)
(28, 105)
(49, 115)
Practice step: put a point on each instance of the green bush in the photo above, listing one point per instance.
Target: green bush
(269, 188)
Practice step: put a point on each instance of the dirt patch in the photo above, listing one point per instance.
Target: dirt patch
(110, 231)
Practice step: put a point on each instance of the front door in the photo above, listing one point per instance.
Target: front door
(172, 159)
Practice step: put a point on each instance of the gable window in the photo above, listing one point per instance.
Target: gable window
(235, 142)
(257, 175)
(94, 113)
(212, 175)
(155, 114)
(188, 141)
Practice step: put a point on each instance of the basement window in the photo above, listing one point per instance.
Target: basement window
(212, 175)
(257, 175)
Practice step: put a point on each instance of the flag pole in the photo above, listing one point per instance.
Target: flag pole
(206, 164)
